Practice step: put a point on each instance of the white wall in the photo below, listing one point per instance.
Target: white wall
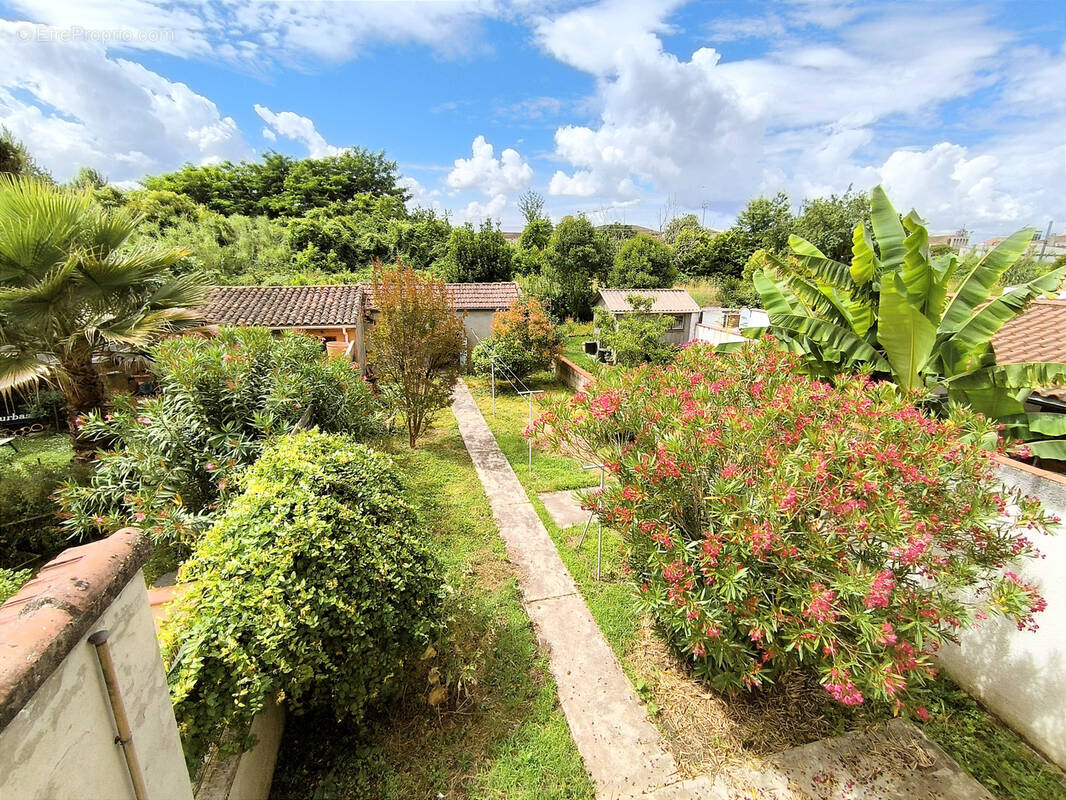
(1021, 675)
(61, 745)
(712, 334)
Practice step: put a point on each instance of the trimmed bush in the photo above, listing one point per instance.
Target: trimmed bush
(314, 588)
(171, 459)
(774, 521)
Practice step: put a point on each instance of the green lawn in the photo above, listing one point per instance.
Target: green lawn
(505, 735)
(983, 745)
(576, 334)
(51, 450)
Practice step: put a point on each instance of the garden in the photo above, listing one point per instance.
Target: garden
(711, 724)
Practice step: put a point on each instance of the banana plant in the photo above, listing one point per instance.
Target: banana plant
(891, 312)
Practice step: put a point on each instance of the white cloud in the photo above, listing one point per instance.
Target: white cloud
(488, 174)
(269, 135)
(75, 106)
(852, 98)
(264, 32)
(299, 129)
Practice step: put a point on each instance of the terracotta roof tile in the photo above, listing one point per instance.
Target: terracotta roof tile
(51, 613)
(1037, 335)
(667, 301)
(284, 306)
(327, 306)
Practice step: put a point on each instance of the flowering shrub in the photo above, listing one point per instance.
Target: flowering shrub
(524, 339)
(773, 521)
(315, 587)
(171, 458)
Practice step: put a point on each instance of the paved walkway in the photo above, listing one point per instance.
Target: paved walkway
(622, 749)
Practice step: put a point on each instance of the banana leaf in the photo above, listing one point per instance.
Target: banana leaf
(834, 337)
(824, 268)
(1035, 422)
(904, 332)
(978, 285)
(1054, 449)
(888, 230)
(774, 300)
(916, 271)
(864, 262)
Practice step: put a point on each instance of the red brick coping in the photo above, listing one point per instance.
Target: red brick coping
(51, 613)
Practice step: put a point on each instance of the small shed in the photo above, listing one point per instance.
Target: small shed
(675, 303)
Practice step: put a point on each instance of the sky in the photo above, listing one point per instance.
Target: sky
(625, 110)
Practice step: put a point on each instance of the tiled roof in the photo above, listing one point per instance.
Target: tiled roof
(284, 306)
(474, 296)
(326, 306)
(667, 301)
(1037, 335)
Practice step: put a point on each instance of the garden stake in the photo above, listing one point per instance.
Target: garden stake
(599, 523)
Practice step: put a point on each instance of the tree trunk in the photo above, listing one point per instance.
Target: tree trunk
(85, 392)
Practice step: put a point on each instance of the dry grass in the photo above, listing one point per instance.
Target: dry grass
(708, 731)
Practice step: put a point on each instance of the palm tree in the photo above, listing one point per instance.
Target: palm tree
(74, 291)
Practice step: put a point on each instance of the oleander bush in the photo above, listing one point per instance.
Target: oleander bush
(774, 521)
(170, 460)
(315, 587)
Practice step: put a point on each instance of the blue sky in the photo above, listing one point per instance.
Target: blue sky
(627, 110)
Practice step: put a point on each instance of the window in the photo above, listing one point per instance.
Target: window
(679, 322)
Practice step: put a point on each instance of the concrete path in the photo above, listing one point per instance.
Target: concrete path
(564, 507)
(622, 749)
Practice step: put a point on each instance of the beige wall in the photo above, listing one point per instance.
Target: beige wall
(1021, 675)
(61, 744)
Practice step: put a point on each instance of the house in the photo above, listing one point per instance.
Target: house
(675, 303)
(956, 241)
(341, 315)
(1037, 335)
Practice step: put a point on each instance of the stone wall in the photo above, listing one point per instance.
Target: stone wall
(1021, 675)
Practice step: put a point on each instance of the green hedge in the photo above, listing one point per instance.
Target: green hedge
(315, 587)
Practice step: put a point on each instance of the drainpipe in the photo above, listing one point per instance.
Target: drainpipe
(118, 709)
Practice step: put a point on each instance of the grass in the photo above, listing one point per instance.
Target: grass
(705, 291)
(500, 733)
(50, 450)
(576, 334)
(706, 731)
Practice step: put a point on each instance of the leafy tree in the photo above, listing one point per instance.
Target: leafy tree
(693, 250)
(828, 222)
(531, 204)
(531, 261)
(332, 243)
(88, 178)
(315, 585)
(728, 252)
(636, 337)
(284, 186)
(482, 255)
(162, 208)
(766, 222)
(536, 234)
(169, 460)
(415, 344)
(15, 159)
(421, 240)
(643, 262)
(524, 340)
(890, 312)
(74, 293)
(689, 222)
(578, 255)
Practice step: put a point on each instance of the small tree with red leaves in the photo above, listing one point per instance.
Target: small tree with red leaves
(774, 521)
(414, 345)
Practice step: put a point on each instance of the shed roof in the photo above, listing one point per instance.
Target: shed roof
(667, 301)
(472, 296)
(1037, 335)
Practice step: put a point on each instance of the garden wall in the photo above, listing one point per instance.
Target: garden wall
(572, 375)
(57, 728)
(1021, 675)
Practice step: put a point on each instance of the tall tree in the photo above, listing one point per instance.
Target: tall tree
(415, 344)
(767, 223)
(689, 222)
(828, 222)
(531, 204)
(73, 292)
(482, 255)
(579, 255)
(15, 159)
(643, 263)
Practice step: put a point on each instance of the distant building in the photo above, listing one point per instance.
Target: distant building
(675, 303)
(340, 316)
(512, 236)
(956, 241)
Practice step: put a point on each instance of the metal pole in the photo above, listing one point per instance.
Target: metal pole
(599, 533)
(118, 709)
(530, 438)
(492, 363)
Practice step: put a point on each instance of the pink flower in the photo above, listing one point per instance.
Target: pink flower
(211, 465)
(139, 516)
(821, 606)
(144, 420)
(922, 713)
(881, 588)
